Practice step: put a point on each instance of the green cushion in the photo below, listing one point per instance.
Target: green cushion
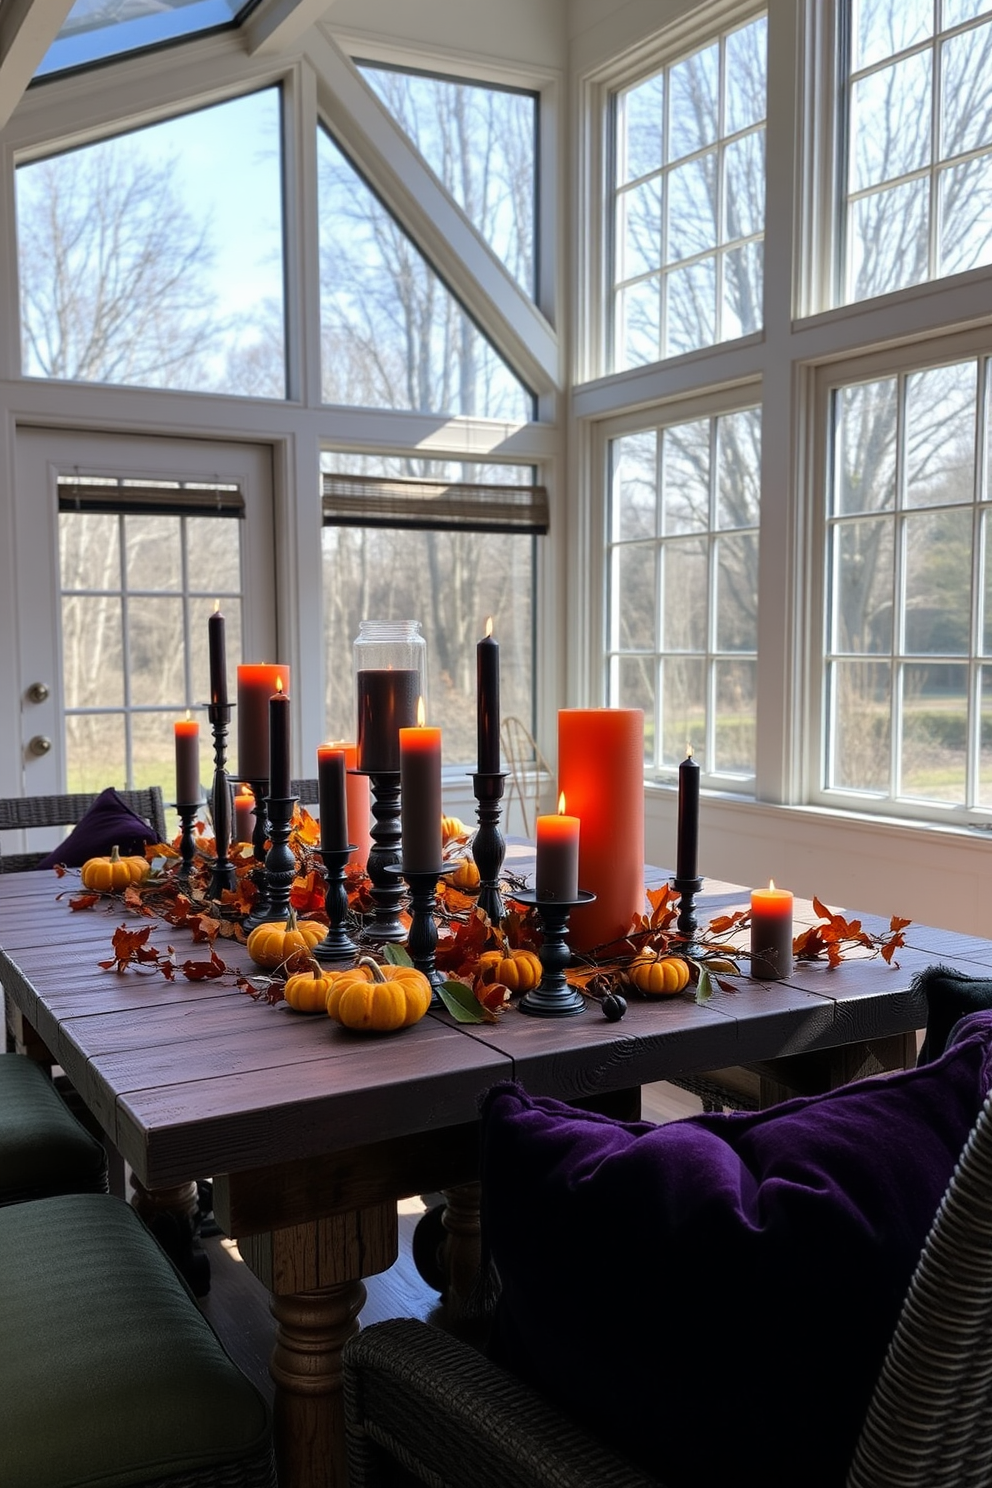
(109, 1375)
(43, 1148)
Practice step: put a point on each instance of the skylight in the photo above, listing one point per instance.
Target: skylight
(95, 30)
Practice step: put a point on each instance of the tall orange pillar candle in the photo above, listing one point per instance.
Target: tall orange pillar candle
(256, 684)
(556, 874)
(601, 771)
(188, 791)
(771, 933)
(356, 788)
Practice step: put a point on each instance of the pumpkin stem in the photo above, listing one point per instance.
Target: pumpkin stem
(291, 919)
(115, 855)
(374, 967)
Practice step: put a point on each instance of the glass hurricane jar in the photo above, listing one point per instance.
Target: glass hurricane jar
(390, 678)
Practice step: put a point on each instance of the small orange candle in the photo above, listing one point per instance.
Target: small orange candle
(188, 791)
(771, 933)
(244, 815)
(601, 771)
(556, 874)
(420, 796)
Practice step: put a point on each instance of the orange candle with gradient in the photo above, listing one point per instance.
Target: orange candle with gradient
(771, 933)
(556, 874)
(601, 771)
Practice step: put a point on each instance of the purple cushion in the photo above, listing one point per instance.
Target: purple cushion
(109, 823)
(715, 1296)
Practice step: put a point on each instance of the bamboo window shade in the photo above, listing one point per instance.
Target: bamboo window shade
(150, 498)
(432, 505)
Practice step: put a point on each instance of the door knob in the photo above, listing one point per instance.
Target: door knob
(38, 692)
(39, 745)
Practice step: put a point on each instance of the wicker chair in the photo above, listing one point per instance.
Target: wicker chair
(424, 1408)
(20, 812)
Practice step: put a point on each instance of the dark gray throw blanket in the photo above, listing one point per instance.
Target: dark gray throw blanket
(950, 995)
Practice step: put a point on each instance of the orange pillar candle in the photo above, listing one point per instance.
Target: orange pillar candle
(188, 791)
(256, 684)
(601, 771)
(556, 873)
(771, 933)
(244, 814)
(420, 796)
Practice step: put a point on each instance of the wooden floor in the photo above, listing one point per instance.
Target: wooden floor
(238, 1304)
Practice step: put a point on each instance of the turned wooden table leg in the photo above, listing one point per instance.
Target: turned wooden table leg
(460, 1219)
(313, 1272)
(170, 1214)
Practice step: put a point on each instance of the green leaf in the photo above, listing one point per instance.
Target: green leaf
(396, 955)
(461, 1002)
(704, 987)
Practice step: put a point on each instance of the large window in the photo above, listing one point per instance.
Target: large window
(683, 589)
(689, 204)
(155, 258)
(909, 598)
(919, 156)
(452, 545)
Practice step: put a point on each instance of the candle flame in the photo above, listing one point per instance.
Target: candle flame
(216, 606)
(421, 713)
(246, 792)
(489, 626)
(688, 751)
(771, 883)
(561, 804)
(278, 684)
(189, 716)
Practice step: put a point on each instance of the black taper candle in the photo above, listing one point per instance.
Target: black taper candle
(687, 841)
(487, 668)
(218, 658)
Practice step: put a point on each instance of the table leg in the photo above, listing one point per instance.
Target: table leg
(171, 1214)
(313, 1271)
(462, 1250)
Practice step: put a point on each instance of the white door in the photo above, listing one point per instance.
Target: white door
(114, 587)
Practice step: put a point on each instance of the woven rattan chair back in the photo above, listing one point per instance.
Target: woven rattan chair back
(20, 812)
(928, 1422)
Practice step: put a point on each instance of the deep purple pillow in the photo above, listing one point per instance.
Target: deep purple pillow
(715, 1296)
(109, 823)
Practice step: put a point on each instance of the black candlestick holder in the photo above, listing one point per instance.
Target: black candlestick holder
(488, 846)
(553, 997)
(259, 838)
(337, 945)
(687, 889)
(223, 875)
(187, 846)
(422, 938)
(280, 862)
(386, 891)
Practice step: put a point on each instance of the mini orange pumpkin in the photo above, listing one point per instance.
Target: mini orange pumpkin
(272, 943)
(452, 827)
(519, 970)
(109, 874)
(465, 877)
(306, 991)
(377, 999)
(658, 976)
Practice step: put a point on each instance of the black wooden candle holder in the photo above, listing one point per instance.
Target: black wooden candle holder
(553, 997)
(488, 846)
(223, 875)
(687, 889)
(187, 845)
(259, 838)
(422, 939)
(337, 945)
(386, 891)
(280, 861)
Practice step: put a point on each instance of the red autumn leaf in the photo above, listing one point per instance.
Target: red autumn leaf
(262, 988)
(204, 927)
(460, 952)
(201, 971)
(493, 995)
(722, 923)
(134, 901)
(84, 901)
(897, 923)
(129, 946)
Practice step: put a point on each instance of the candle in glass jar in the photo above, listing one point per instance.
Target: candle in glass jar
(687, 838)
(420, 796)
(187, 732)
(256, 684)
(332, 798)
(487, 693)
(771, 933)
(218, 656)
(556, 874)
(278, 770)
(244, 814)
(387, 702)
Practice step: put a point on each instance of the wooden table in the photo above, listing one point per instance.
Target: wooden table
(312, 1134)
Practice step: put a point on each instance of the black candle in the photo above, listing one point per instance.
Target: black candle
(387, 702)
(688, 827)
(487, 667)
(218, 658)
(332, 798)
(279, 774)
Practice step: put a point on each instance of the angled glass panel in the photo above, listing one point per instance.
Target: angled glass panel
(481, 143)
(392, 335)
(155, 258)
(97, 29)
